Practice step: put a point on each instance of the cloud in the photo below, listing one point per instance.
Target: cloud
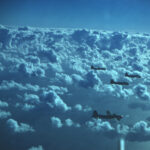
(56, 122)
(54, 100)
(36, 148)
(46, 72)
(141, 92)
(99, 125)
(70, 123)
(80, 35)
(3, 104)
(117, 39)
(28, 69)
(63, 78)
(27, 107)
(58, 89)
(4, 114)
(49, 54)
(139, 132)
(19, 128)
(8, 85)
(31, 98)
(5, 37)
(78, 107)
(90, 80)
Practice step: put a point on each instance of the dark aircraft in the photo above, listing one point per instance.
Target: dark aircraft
(107, 116)
(120, 83)
(132, 75)
(94, 68)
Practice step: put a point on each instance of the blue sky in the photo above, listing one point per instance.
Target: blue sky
(126, 15)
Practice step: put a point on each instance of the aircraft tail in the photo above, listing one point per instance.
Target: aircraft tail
(112, 81)
(92, 67)
(95, 114)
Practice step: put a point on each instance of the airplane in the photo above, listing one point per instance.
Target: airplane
(94, 68)
(132, 76)
(107, 116)
(120, 83)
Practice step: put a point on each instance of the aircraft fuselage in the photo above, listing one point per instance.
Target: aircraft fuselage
(108, 116)
(94, 68)
(132, 76)
(118, 117)
(120, 83)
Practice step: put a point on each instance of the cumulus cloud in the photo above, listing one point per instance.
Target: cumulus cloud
(141, 92)
(30, 70)
(58, 89)
(3, 104)
(79, 107)
(36, 148)
(27, 107)
(43, 66)
(139, 132)
(19, 128)
(4, 114)
(91, 80)
(54, 100)
(70, 123)
(64, 78)
(56, 122)
(31, 98)
(99, 125)
(7, 85)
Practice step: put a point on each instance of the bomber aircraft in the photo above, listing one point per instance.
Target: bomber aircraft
(94, 68)
(107, 116)
(132, 75)
(120, 83)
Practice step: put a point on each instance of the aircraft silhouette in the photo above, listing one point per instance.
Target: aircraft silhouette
(107, 116)
(132, 76)
(120, 83)
(94, 68)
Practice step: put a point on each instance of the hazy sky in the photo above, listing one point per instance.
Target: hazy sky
(126, 15)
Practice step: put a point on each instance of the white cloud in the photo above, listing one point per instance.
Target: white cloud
(139, 132)
(55, 100)
(56, 122)
(3, 104)
(44, 65)
(142, 92)
(78, 107)
(36, 148)
(31, 98)
(68, 122)
(7, 85)
(4, 114)
(99, 125)
(19, 128)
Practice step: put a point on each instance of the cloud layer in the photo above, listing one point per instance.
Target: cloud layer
(47, 85)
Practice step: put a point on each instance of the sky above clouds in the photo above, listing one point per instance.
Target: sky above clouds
(124, 15)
